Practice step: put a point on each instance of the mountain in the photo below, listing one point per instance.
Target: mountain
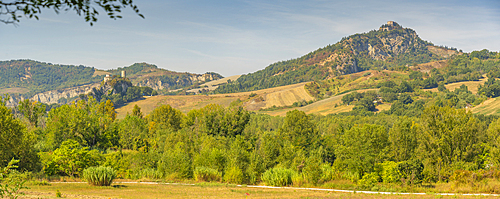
(388, 47)
(54, 83)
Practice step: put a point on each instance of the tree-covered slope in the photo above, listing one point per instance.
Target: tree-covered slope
(39, 76)
(390, 46)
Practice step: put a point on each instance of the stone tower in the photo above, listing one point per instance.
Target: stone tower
(124, 74)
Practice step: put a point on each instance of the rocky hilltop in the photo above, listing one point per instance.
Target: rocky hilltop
(389, 46)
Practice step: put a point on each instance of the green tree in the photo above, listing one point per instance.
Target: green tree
(15, 142)
(31, 110)
(214, 119)
(449, 136)
(133, 133)
(69, 159)
(165, 117)
(494, 142)
(361, 147)
(32, 8)
(87, 122)
(299, 129)
(403, 139)
(136, 111)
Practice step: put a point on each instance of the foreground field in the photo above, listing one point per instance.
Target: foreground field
(146, 191)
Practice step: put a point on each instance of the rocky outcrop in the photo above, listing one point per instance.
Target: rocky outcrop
(203, 77)
(160, 83)
(14, 100)
(154, 84)
(51, 97)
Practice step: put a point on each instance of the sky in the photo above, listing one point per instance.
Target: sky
(234, 37)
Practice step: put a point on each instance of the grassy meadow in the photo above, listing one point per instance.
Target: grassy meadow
(204, 190)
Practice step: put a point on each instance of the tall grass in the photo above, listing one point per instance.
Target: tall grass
(278, 177)
(206, 174)
(99, 176)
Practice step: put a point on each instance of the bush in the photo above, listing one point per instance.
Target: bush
(99, 176)
(369, 180)
(278, 177)
(328, 173)
(234, 175)
(176, 163)
(298, 179)
(206, 174)
(390, 172)
(145, 173)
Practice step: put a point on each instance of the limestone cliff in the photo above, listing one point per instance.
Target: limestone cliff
(51, 97)
(175, 82)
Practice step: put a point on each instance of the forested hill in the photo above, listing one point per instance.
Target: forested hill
(28, 77)
(389, 46)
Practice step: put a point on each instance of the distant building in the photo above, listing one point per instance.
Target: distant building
(124, 74)
(107, 78)
(391, 25)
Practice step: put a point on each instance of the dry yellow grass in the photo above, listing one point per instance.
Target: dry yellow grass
(488, 107)
(184, 103)
(212, 85)
(323, 107)
(82, 190)
(287, 97)
(14, 90)
(427, 67)
(279, 96)
(100, 72)
(471, 85)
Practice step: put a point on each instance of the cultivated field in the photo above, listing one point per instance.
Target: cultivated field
(325, 106)
(212, 85)
(488, 107)
(14, 90)
(278, 96)
(471, 85)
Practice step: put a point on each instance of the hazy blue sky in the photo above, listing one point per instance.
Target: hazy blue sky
(237, 36)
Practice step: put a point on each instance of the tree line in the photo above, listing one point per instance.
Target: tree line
(237, 146)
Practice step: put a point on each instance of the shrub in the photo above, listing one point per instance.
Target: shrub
(298, 179)
(176, 163)
(145, 173)
(390, 172)
(369, 180)
(328, 173)
(313, 172)
(206, 174)
(278, 177)
(234, 175)
(99, 176)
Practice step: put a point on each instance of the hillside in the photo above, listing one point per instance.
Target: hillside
(390, 46)
(53, 83)
(253, 101)
(143, 74)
